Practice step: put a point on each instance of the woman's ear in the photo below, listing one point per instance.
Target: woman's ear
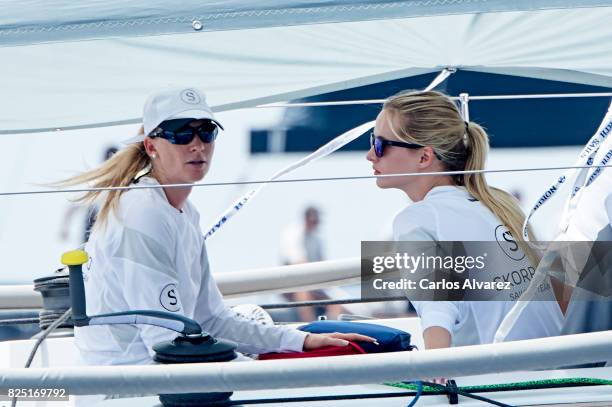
(427, 157)
(149, 146)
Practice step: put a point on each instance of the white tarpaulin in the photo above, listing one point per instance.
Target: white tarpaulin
(31, 21)
(74, 81)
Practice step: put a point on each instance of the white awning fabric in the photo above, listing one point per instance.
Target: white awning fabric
(66, 66)
(33, 21)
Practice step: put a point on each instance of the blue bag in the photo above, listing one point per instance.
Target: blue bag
(389, 339)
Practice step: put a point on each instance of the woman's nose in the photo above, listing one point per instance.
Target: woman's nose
(197, 144)
(371, 155)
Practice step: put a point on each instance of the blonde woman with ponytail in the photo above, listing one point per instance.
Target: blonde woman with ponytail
(147, 249)
(423, 132)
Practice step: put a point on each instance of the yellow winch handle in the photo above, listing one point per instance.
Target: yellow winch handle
(75, 258)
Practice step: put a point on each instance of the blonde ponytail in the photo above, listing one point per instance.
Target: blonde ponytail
(118, 171)
(502, 204)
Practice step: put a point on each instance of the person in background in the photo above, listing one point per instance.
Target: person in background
(301, 243)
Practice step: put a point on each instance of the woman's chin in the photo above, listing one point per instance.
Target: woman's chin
(384, 183)
(196, 174)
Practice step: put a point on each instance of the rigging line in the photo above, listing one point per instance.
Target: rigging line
(337, 397)
(426, 388)
(472, 98)
(307, 104)
(291, 180)
(536, 384)
(40, 337)
(281, 305)
(323, 151)
(467, 394)
(21, 321)
(329, 302)
(420, 391)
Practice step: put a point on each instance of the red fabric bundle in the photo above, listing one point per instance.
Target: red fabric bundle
(351, 349)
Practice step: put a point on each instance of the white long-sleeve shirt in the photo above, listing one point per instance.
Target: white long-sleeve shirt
(151, 256)
(590, 309)
(449, 213)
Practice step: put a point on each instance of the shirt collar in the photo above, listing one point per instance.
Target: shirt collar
(447, 190)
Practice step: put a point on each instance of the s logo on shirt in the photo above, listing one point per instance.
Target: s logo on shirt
(507, 243)
(169, 298)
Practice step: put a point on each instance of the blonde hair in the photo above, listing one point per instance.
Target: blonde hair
(432, 119)
(118, 171)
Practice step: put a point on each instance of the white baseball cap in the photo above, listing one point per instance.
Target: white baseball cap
(174, 103)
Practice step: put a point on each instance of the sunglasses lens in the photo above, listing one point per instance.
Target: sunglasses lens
(378, 147)
(208, 132)
(183, 137)
(376, 142)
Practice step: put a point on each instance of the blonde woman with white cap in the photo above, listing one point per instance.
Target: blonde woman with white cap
(147, 249)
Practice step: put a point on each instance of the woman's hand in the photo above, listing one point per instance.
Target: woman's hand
(315, 341)
(439, 380)
(436, 337)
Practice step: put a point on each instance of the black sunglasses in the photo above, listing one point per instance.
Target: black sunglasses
(380, 143)
(179, 131)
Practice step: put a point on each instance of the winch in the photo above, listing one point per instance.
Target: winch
(55, 291)
(191, 346)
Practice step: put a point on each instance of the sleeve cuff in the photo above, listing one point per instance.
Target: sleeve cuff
(293, 340)
(438, 318)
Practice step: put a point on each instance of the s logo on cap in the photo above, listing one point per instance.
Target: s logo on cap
(191, 96)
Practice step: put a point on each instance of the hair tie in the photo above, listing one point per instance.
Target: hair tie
(465, 135)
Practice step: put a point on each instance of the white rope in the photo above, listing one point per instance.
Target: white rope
(291, 180)
(483, 97)
(510, 319)
(321, 152)
(585, 159)
(307, 104)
